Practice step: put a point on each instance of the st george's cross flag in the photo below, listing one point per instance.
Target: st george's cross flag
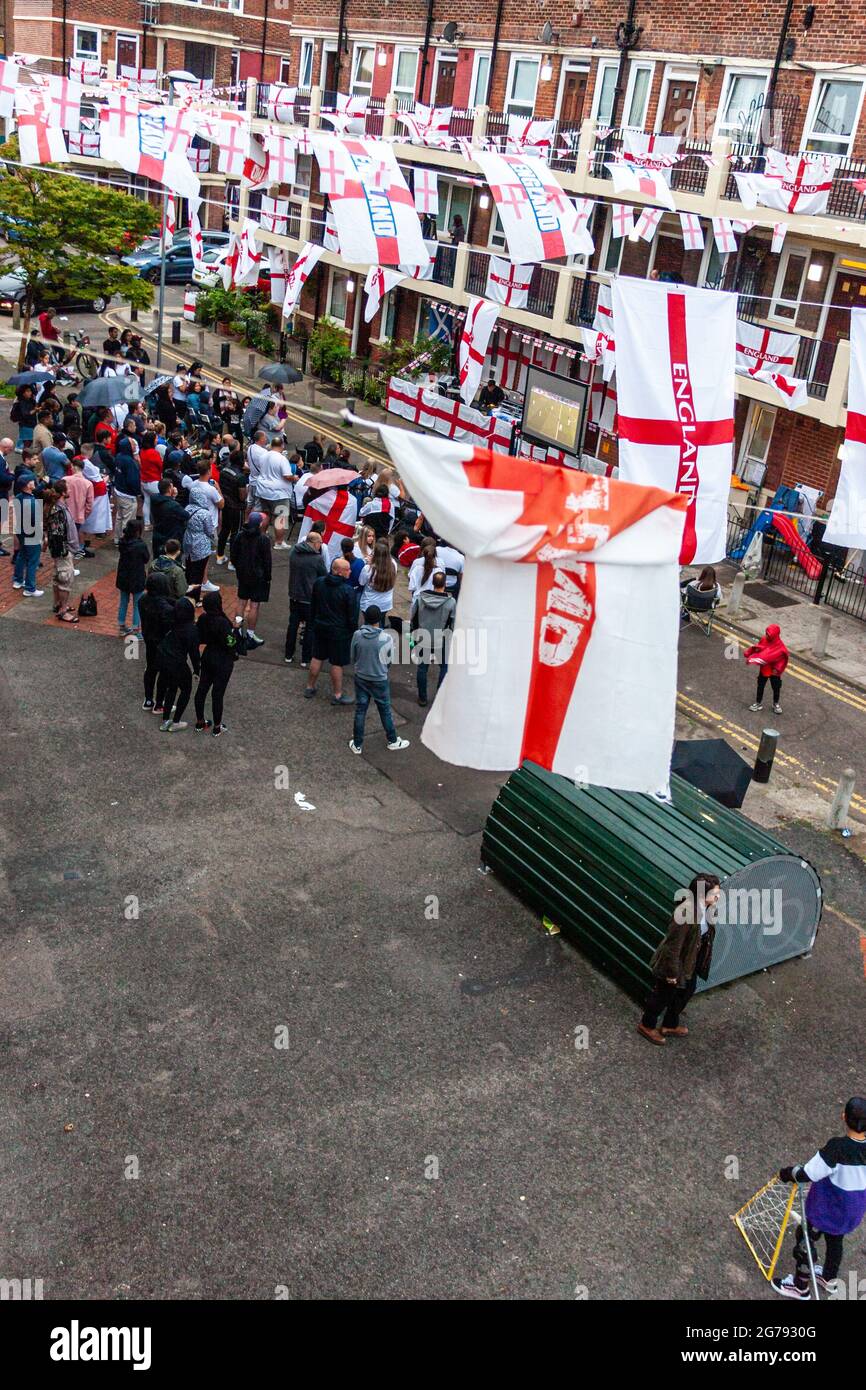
(250, 255)
(142, 81)
(143, 149)
(84, 142)
(375, 213)
(477, 327)
(425, 189)
(39, 142)
(62, 99)
(8, 86)
(278, 263)
(507, 283)
(675, 349)
(565, 640)
(282, 159)
(274, 215)
(87, 71)
(350, 115)
(378, 283)
(770, 357)
(651, 183)
(298, 275)
(529, 136)
(330, 238)
(196, 233)
(847, 524)
(281, 103)
(693, 236)
(647, 151)
(647, 223)
(427, 125)
(621, 219)
(796, 182)
(338, 510)
(424, 271)
(539, 220)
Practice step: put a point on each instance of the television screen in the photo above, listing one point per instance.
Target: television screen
(553, 410)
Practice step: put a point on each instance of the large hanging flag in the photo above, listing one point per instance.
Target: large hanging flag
(425, 188)
(337, 509)
(378, 283)
(274, 215)
(770, 357)
(507, 283)
(39, 142)
(568, 615)
(8, 86)
(790, 182)
(847, 524)
(298, 275)
(350, 116)
(249, 262)
(241, 155)
(477, 327)
(427, 125)
(658, 153)
(539, 220)
(374, 210)
(282, 160)
(281, 103)
(675, 372)
(278, 262)
(62, 99)
(143, 148)
(529, 136)
(651, 183)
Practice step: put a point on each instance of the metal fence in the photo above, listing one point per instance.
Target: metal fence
(840, 587)
(844, 199)
(583, 301)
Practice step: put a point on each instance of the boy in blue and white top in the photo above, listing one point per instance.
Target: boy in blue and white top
(836, 1203)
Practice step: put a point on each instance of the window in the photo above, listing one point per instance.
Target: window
(303, 173)
(741, 106)
(87, 43)
(338, 296)
(285, 71)
(789, 284)
(480, 78)
(405, 72)
(496, 240)
(305, 69)
(833, 115)
(362, 70)
(126, 51)
(453, 198)
(605, 87)
(522, 82)
(637, 94)
(388, 322)
(752, 463)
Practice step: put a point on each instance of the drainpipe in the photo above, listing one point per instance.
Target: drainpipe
(264, 41)
(341, 34)
(425, 51)
(494, 51)
(774, 75)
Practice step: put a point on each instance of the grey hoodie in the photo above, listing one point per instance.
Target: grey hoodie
(433, 612)
(372, 649)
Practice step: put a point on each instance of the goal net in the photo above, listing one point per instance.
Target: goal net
(762, 1222)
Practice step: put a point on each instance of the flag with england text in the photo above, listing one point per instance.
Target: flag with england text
(539, 220)
(143, 149)
(374, 211)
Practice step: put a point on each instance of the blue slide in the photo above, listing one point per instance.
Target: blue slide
(785, 499)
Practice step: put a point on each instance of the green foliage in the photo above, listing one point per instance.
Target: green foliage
(329, 349)
(70, 234)
(374, 390)
(217, 305)
(246, 313)
(397, 356)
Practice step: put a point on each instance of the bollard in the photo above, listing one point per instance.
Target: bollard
(16, 316)
(824, 621)
(350, 407)
(225, 354)
(838, 816)
(766, 754)
(201, 342)
(133, 314)
(175, 331)
(251, 364)
(735, 597)
(156, 320)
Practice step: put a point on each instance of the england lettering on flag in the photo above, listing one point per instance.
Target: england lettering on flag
(281, 103)
(796, 182)
(847, 524)
(646, 151)
(143, 149)
(38, 141)
(651, 184)
(693, 236)
(507, 283)
(274, 215)
(378, 283)
(375, 213)
(568, 578)
(539, 220)
(675, 351)
(8, 86)
(278, 263)
(477, 327)
(648, 222)
(528, 136)
(426, 191)
(770, 357)
(298, 275)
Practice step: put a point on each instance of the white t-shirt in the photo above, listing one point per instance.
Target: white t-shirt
(449, 559)
(213, 495)
(274, 476)
(301, 487)
(371, 596)
(256, 454)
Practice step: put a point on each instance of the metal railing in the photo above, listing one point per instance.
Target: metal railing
(844, 199)
(374, 123)
(542, 288)
(582, 302)
(445, 264)
(301, 104)
(838, 587)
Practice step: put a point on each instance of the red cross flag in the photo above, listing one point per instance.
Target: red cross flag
(426, 191)
(723, 234)
(350, 116)
(645, 151)
(199, 158)
(249, 254)
(424, 406)
(648, 222)
(87, 71)
(38, 141)
(378, 283)
(530, 137)
(477, 327)
(338, 509)
(196, 236)
(652, 184)
(119, 114)
(140, 80)
(847, 524)
(583, 207)
(779, 230)
(796, 182)
(602, 402)
(568, 579)
(693, 236)
(770, 357)
(424, 271)
(274, 215)
(675, 374)
(278, 262)
(8, 85)
(507, 283)
(281, 103)
(86, 142)
(62, 100)
(298, 275)
(375, 213)
(540, 222)
(169, 223)
(427, 125)
(143, 149)
(330, 238)
(281, 159)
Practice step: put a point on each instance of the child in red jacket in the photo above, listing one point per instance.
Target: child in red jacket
(771, 655)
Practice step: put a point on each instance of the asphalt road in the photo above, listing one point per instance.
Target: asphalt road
(287, 1021)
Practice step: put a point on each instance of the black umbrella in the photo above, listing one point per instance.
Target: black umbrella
(109, 390)
(255, 413)
(30, 378)
(156, 383)
(713, 766)
(281, 374)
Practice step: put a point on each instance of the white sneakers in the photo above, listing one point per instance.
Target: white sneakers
(396, 746)
(33, 593)
(208, 588)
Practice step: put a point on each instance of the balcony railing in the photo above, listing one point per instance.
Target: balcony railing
(444, 265)
(542, 288)
(844, 199)
(583, 301)
(375, 120)
(301, 103)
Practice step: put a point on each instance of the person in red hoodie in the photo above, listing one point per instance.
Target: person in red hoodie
(150, 463)
(771, 655)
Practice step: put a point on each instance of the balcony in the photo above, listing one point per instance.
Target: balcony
(301, 105)
(542, 289)
(582, 302)
(844, 200)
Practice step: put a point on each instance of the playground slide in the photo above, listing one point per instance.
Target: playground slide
(792, 538)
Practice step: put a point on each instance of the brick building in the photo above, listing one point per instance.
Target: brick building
(728, 79)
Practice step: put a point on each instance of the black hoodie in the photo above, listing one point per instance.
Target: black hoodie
(156, 608)
(181, 643)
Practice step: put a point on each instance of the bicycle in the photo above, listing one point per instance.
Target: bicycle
(86, 365)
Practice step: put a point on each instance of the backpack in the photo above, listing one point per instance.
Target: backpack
(238, 642)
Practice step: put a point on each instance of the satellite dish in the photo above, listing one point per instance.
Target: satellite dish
(547, 32)
(449, 33)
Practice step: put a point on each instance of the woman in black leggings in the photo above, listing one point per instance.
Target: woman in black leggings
(217, 663)
(176, 651)
(156, 610)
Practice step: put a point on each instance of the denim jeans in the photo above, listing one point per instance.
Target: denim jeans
(122, 607)
(26, 564)
(365, 691)
(421, 675)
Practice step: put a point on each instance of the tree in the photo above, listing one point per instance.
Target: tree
(69, 235)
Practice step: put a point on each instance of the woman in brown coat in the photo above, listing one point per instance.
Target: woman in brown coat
(685, 954)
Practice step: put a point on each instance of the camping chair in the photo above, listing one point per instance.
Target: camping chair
(699, 607)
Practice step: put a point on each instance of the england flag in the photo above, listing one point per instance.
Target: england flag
(143, 149)
(375, 213)
(539, 220)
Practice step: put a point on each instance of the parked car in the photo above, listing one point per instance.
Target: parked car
(208, 273)
(13, 291)
(178, 264)
(152, 245)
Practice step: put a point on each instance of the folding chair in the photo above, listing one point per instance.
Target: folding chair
(700, 607)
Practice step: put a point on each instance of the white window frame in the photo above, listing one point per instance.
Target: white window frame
(285, 73)
(603, 66)
(670, 77)
(328, 47)
(847, 140)
(480, 53)
(794, 249)
(511, 102)
(305, 64)
(744, 456)
(447, 201)
(495, 233)
(721, 129)
(569, 66)
(87, 29)
(338, 273)
(366, 87)
(405, 91)
(127, 38)
(635, 66)
(302, 190)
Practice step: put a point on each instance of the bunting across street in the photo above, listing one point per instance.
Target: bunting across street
(374, 211)
(539, 220)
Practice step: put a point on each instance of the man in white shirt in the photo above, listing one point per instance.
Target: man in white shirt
(452, 562)
(256, 455)
(207, 495)
(274, 482)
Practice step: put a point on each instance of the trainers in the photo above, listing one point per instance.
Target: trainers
(147, 704)
(282, 545)
(175, 727)
(231, 567)
(255, 639)
(208, 588)
(158, 709)
(220, 729)
(76, 573)
(756, 708)
(777, 709)
(342, 700)
(309, 692)
(202, 725)
(789, 1288)
(289, 660)
(221, 559)
(304, 665)
(33, 593)
(353, 746)
(398, 744)
(165, 726)
(17, 583)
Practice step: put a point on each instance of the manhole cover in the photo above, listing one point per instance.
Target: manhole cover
(771, 597)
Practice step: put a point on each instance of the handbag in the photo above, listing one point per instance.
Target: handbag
(87, 606)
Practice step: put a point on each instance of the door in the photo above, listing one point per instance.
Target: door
(679, 101)
(445, 75)
(849, 292)
(127, 51)
(329, 76)
(758, 433)
(573, 98)
(198, 58)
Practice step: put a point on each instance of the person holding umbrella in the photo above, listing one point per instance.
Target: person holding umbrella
(23, 413)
